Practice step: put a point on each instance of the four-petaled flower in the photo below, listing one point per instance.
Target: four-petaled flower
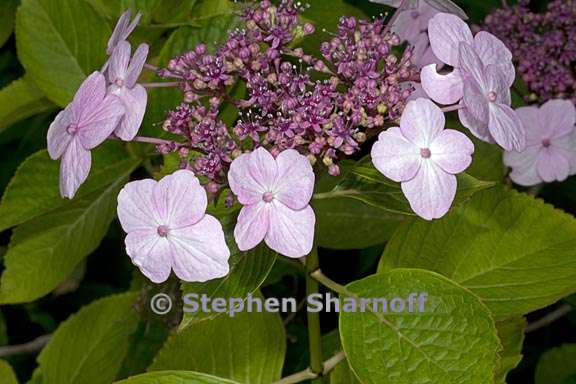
(168, 229)
(276, 194)
(483, 73)
(424, 157)
(550, 153)
(122, 30)
(85, 123)
(123, 73)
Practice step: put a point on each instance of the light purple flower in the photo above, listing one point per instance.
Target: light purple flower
(168, 229)
(123, 73)
(550, 153)
(85, 123)
(424, 157)
(122, 30)
(276, 194)
(441, 5)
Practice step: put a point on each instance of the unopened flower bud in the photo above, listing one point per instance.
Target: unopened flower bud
(334, 170)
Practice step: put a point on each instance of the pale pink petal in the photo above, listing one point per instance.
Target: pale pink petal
(74, 168)
(119, 31)
(444, 89)
(252, 225)
(135, 101)
(118, 66)
(295, 180)
(418, 91)
(291, 233)
(199, 251)
(446, 32)
(472, 66)
(101, 121)
(452, 151)
(394, 156)
(421, 122)
(493, 51)
(552, 165)
(58, 136)
(559, 116)
(179, 199)
(136, 207)
(523, 166)
(431, 192)
(534, 129)
(251, 175)
(506, 128)
(406, 26)
(150, 253)
(132, 26)
(475, 101)
(448, 6)
(136, 65)
(90, 93)
(477, 127)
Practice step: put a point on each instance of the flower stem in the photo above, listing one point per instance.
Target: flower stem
(452, 108)
(397, 13)
(151, 67)
(307, 374)
(329, 283)
(168, 84)
(314, 331)
(147, 140)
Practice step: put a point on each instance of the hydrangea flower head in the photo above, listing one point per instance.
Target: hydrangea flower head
(276, 193)
(167, 229)
(123, 72)
(550, 153)
(84, 124)
(124, 27)
(424, 157)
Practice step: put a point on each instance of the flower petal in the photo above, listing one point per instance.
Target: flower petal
(535, 131)
(58, 136)
(136, 207)
(252, 174)
(452, 151)
(477, 127)
(492, 50)
(90, 93)
(552, 165)
(444, 89)
(119, 31)
(523, 166)
(295, 179)
(448, 6)
(291, 233)
(74, 168)
(100, 122)
(505, 127)
(394, 156)
(135, 101)
(119, 61)
(559, 116)
(136, 65)
(421, 122)
(475, 100)
(252, 225)
(431, 192)
(150, 253)
(472, 66)
(179, 199)
(199, 251)
(446, 32)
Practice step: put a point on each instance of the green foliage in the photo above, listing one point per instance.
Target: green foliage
(511, 335)
(59, 43)
(248, 348)
(7, 14)
(341, 374)
(452, 341)
(175, 377)
(7, 375)
(88, 348)
(556, 366)
(513, 251)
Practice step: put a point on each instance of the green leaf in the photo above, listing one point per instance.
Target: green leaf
(248, 348)
(341, 373)
(513, 251)
(248, 270)
(556, 366)
(173, 11)
(33, 191)
(44, 251)
(7, 13)
(113, 8)
(7, 374)
(212, 9)
(89, 346)
(175, 377)
(511, 334)
(20, 100)
(452, 341)
(59, 43)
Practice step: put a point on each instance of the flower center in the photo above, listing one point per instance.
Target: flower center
(492, 96)
(425, 153)
(546, 143)
(72, 129)
(119, 82)
(415, 14)
(163, 231)
(268, 197)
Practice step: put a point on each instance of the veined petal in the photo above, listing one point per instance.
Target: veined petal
(452, 151)
(523, 166)
(251, 175)
(135, 101)
(505, 127)
(252, 225)
(118, 67)
(552, 165)
(475, 100)
(295, 180)
(74, 168)
(472, 66)
(90, 93)
(444, 89)
(136, 65)
(477, 127)
(492, 51)
(119, 31)
(446, 32)
(534, 129)
(291, 233)
(58, 136)
(100, 122)
(179, 199)
(394, 156)
(431, 192)
(421, 122)
(150, 253)
(136, 207)
(199, 251)
(559, 116)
